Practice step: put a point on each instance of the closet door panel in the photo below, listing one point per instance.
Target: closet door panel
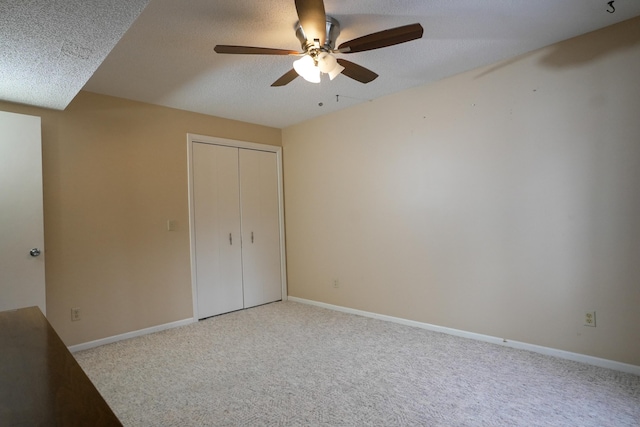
(217, 224)
(260, 227)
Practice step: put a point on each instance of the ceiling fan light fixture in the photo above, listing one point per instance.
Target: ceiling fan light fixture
(318, 33)
(307, 69)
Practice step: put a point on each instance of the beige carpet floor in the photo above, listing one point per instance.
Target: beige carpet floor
(291, 364)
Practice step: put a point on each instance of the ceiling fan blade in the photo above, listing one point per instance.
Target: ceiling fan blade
(384, 38)
(286, 78)
(250, 50)
(313, 19)
(357, 72)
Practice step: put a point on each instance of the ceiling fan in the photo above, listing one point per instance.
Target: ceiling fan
(317, 33)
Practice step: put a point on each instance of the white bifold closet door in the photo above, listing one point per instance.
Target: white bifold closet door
(260, 226)
(217, 225)
(237, 228)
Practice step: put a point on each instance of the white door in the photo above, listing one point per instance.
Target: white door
(21, 220)
(260, 227)
(218, 256)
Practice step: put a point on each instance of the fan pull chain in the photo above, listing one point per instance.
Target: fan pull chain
(351, 97)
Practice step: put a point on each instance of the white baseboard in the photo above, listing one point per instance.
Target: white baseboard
(577, 357)
(132, 334)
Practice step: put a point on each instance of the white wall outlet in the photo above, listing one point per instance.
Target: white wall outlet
(75, 314)
(336, 283)
(172, 225)
(590, 318)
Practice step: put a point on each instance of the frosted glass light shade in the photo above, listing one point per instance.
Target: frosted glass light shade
(336, 70)
(328, 64)
(307, 69)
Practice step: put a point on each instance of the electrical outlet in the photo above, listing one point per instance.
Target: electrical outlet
(75, 314)
(336, 284)
(590, 318)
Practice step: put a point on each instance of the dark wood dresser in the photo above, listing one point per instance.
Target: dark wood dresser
(41, 384)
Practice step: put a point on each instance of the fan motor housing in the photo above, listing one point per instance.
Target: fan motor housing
(333, 31)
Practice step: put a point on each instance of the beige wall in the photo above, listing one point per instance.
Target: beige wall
(114, 171)
(503, 201)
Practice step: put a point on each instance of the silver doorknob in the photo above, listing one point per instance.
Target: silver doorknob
(34, 252)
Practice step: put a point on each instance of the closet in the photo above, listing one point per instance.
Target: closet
(237, 245)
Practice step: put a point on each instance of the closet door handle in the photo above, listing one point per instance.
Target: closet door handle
(252, 237)
(230, 239)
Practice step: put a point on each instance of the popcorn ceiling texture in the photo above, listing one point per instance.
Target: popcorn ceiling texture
(290, 364)
(49, 49)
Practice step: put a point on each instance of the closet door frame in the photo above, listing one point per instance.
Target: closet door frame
(202, 139)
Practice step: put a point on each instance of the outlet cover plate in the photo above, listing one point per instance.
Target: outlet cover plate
(590, 319)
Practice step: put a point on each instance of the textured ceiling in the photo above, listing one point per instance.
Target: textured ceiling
(166, 57)
(50, 48)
